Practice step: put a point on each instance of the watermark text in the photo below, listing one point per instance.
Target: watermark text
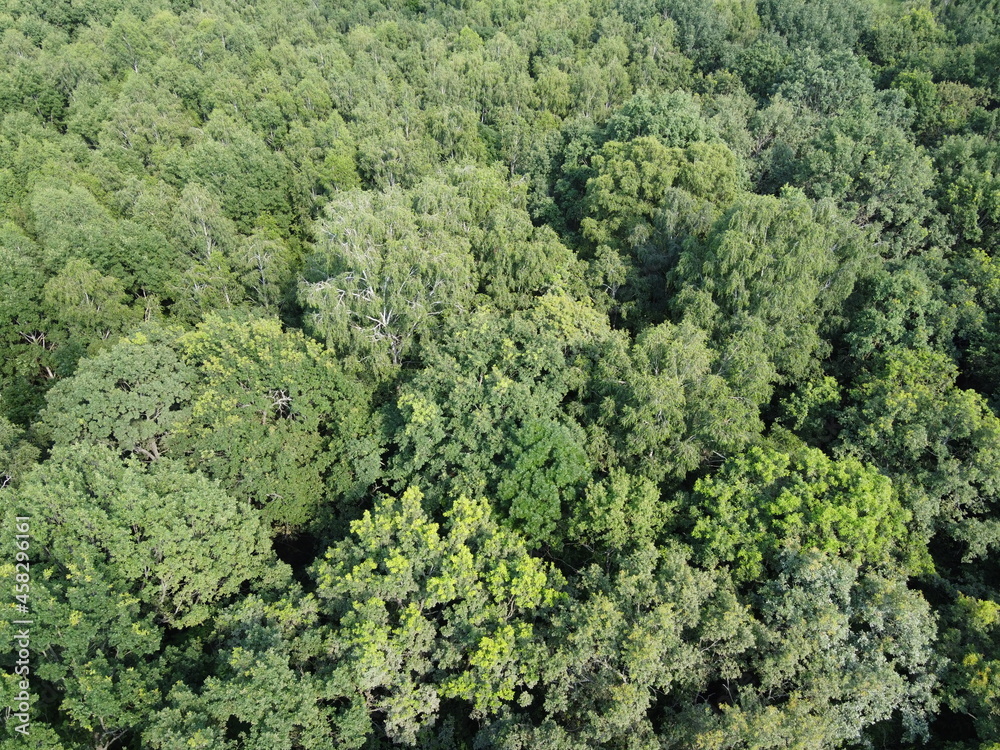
(18, 710)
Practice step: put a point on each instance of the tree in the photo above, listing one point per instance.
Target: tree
(199, 224)
(519, 261)
(906, 37)
(423, 613)
(644, 195)
(226, 269)
(970, 677)
(768, 501)
(72, 225)
(873, 171)
(275, 419)
(545, 472)
(828, 28)
(17, 455)
(395, 148)
(778, 263)
(51, 323)
(632, 179)
(967, 188)
(624, 654)
(382, 274)
(324, 160)
(87, 311)
(484, 416)
(144, 123)
(827, 84)
(675, 119)
(618, 513)
(239, 167)
(837, 651)
(267, 267)
(939, 442)
(127, 398)
(273, 706)
(26, 353)
(668, 410)
(121, 555)
(939, 107)
(975, 290)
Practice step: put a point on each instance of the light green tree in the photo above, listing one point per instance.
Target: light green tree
(422, 613)
(767, 501)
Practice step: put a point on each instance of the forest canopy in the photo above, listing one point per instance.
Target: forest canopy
(461, 374)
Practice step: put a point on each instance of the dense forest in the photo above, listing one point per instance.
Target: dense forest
(532, 375)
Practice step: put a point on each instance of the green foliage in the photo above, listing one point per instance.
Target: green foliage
(901, 38)
(275, 419)
(837, 651)
(619, 512)
(484, 417)
(25, 350)
(968, 191)
(426, 613)
(17, 455)
(667, 409)
(905, 309)
(84, 306)
(633, 178)
(546, 465)
(977, 285)
(701, 296)
(875, 173)
(769, 501)
(938, 441)
(127, 397)
(174, 535)
(940, 107)
(72, 225)
(641, 194)
(122, 555)
(827, 84)
(387, 268)
(631, 643)
(830, 28)
(770, 264)
(273, 706)
(238, 165)
(971, 677)
(517, 260)
(674, 119)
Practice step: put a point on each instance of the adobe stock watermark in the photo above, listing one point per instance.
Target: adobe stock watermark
(17, 712)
